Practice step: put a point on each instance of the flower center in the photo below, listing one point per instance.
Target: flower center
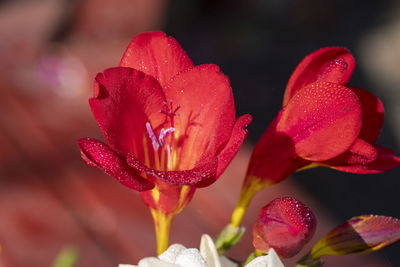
(165, 154)
(160, 141)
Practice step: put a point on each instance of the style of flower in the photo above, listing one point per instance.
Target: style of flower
(284, 224)
(179, 256)
(169, 126)
(323, 122)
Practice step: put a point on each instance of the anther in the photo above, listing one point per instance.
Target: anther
(152, 136)
(163, 135)
(161, 138)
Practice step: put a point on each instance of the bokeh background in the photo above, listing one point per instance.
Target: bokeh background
(50, 50)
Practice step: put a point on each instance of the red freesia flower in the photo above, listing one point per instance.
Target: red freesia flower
(169, 125)
(324, 122)
(286, 225)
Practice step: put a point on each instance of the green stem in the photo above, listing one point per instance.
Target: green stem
(308, 261)
(246, 195)
(233, 232)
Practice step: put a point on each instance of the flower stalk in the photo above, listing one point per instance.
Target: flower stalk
(253, 255)
(233, 232)
(309, 261)
(162, 224)
(246, 195)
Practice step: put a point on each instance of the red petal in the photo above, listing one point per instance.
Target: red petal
(239, 133)
(206, 114)
(125, 99)
(360, 153)
(157, 55)
(170, 199)
(385, 161)
(373, 114)
(330, 64)
(273, 158)
(99, 155)
(201, 173)
(323, 120)
(286, 225)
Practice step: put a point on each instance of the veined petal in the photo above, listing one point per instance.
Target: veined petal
(330, 64)
(201, 173)
(156, 55)
(361, 234)
(124, 100)
(373, 114)
(323, 120)
(239, 133)
(99, 155)
(206, 114)
(385, 161)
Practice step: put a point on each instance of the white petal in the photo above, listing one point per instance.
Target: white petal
(225, 262)
(155, 262)
(190, 257)
(209, 252)
(270, 260)
(171, 253)
(274, 260)
(126, 265)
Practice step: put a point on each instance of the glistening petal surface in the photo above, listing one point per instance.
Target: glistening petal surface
(157, 55)
(373, 114)
(360, 153)
(206, 113)
(202, 172)
(239, 133)
(124, 100)
(323, 120)
(286, 225)
(99, 155)
(385, 161)
(330, 64)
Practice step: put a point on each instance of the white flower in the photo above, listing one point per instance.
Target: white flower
(179, 256)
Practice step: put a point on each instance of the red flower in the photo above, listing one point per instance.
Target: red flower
(169, 125)
(324, 122)
(286, 225)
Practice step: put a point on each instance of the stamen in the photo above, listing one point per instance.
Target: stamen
(152, 136)
(169, 158)
(163, 135)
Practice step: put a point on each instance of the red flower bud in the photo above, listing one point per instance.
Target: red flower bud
(360, 234)
(286, 225)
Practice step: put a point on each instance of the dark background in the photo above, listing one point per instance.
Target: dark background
(259, 43)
